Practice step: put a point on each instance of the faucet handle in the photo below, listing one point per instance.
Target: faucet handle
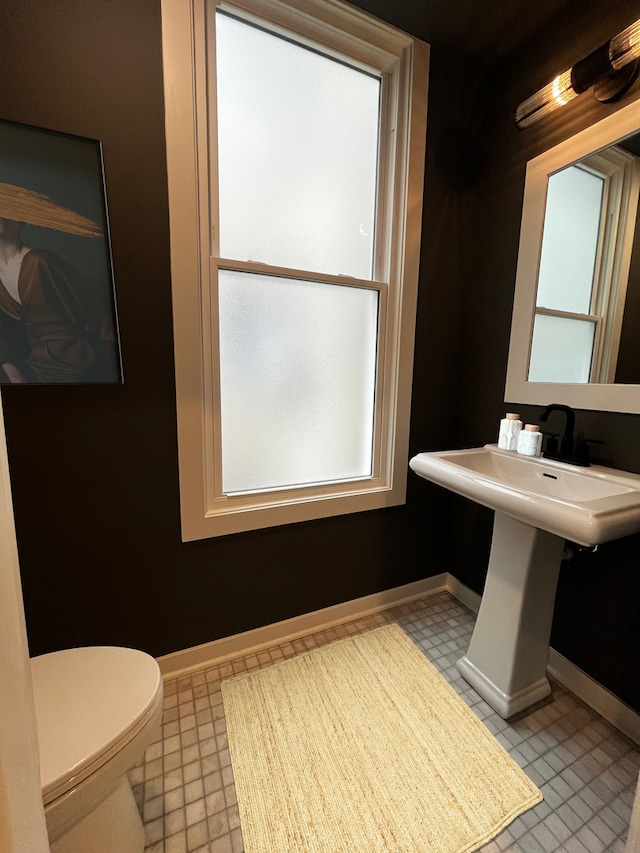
(582, 448)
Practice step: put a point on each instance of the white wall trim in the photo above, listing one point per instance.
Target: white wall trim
(605, 703)
(595, 695)
(183, 662)
(463, 594)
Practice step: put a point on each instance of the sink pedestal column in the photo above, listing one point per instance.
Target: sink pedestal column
(507, 657)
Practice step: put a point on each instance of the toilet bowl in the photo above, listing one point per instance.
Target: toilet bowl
(97, 710)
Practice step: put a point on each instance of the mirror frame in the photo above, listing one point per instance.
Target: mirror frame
(599, 397)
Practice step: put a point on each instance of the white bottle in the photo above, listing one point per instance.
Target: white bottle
(510, 427)
(530, 441)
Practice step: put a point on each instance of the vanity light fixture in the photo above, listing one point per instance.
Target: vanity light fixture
(611, 70)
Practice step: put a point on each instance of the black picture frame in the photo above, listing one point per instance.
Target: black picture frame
(58, 313)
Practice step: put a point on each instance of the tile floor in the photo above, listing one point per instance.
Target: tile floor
(586, 769)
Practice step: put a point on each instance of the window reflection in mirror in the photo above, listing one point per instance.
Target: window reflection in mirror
(580, 327)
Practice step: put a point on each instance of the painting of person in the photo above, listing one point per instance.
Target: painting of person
(54, 327)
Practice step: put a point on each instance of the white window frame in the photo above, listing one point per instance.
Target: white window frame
(403, 60)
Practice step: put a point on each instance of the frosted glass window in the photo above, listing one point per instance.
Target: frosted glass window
(297, 370)
(570, 240)
(298, 150)
(561, 350)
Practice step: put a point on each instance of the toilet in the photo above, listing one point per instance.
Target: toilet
(97, 710)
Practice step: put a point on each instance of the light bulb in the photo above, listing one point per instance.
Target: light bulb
(555, 94)
(625, 47)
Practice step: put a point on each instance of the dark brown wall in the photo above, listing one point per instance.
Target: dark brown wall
(94, 469)
(596, 607)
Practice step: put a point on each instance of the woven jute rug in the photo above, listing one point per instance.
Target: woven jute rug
(361, 746)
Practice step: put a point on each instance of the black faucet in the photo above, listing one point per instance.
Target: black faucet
(574, 451)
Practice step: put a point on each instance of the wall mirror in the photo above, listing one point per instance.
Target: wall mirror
(575, 332)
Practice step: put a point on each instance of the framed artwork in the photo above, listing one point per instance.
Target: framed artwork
(58, 319)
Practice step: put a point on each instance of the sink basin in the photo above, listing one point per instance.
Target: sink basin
(585, 505)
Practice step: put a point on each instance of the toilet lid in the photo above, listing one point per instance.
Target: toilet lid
(86, 701)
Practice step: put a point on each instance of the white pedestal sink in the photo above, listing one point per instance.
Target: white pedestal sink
(538, 505)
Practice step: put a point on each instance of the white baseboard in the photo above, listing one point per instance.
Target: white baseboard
(607, 704)
(559, 668)
(185, 661)
(464, 595)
